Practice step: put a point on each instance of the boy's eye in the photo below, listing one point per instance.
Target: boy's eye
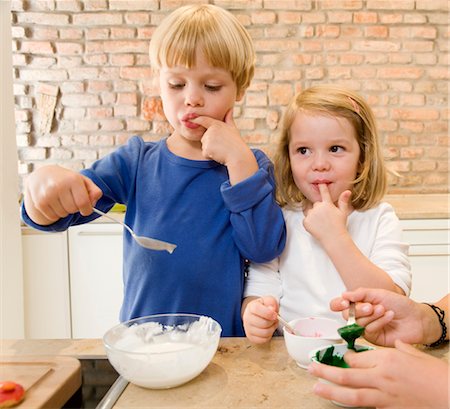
(213, 87)
(176, 85)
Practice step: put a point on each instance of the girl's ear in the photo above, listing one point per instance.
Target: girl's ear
(360, 168)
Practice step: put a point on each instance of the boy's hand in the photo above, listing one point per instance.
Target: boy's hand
(53, 192)
(325, 219)
(222, 142)
(260, 319)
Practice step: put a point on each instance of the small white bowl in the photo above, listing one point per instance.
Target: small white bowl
(339, 351)
(313, 332)
(162, 351)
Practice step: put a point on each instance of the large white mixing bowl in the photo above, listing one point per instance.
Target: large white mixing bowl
(162, 351)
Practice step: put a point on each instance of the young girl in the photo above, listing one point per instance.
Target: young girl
(330, 181)
(201, 188)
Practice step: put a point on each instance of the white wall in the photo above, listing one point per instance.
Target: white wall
(11, 275)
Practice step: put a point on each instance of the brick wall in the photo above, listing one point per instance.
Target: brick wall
(83, 85)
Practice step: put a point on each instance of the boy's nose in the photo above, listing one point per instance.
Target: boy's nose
(193, 98)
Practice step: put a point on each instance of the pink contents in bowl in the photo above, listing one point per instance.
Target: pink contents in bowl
(305, 334)
(311, 333)
(316, 327)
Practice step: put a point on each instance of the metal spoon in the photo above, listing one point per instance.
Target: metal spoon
(286, 324)
(352, 330)
(351, 314)
(146, 242)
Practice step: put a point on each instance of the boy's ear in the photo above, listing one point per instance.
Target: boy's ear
(155, 83)
(240, 95)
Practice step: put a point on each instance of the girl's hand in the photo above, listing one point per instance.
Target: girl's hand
(260, 319)
(386, 378)
(326, 221)
(53, 192)
(222, 142)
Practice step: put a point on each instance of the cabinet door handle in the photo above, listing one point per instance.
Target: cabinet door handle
(99, 233)
(425, 254)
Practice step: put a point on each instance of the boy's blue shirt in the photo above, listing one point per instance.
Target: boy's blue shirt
(191, 204)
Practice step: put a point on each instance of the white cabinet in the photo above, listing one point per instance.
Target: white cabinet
(96, 289)
(73, 280)
(430, 257)
(46, 284)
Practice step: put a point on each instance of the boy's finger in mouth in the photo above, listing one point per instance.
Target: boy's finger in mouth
(186, 119)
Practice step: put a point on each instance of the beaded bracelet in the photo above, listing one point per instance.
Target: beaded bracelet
(441, 315)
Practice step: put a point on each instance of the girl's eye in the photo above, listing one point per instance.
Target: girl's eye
(336, 149)
(213, 88)
(302, 150)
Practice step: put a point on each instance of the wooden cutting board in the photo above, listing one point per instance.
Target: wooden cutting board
(48, 381)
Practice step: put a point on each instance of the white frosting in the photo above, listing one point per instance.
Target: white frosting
(163, 347)
(156, 356)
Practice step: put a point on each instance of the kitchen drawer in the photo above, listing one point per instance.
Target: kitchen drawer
(426, 232)
(429, 254)
(427, 237)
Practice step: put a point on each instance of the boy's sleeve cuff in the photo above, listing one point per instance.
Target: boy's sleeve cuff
(55, 227)
(245, 194)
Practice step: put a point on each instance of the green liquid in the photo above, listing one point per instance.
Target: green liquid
(328, 357)
(350, 333)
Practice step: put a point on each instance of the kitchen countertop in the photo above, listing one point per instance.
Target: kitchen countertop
(241, 375)
(407, 206)
(426, 206)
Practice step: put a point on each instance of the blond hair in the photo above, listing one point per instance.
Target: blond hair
(370, 183)
(216, 32)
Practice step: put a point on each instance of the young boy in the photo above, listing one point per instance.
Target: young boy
(201, 188)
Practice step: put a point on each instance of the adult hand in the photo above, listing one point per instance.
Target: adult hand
(387, 378)
(387, 316)
(53, 192)
(260, 319)
(326, 220)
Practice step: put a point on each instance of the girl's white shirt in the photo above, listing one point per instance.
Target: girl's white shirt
(304, 280)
